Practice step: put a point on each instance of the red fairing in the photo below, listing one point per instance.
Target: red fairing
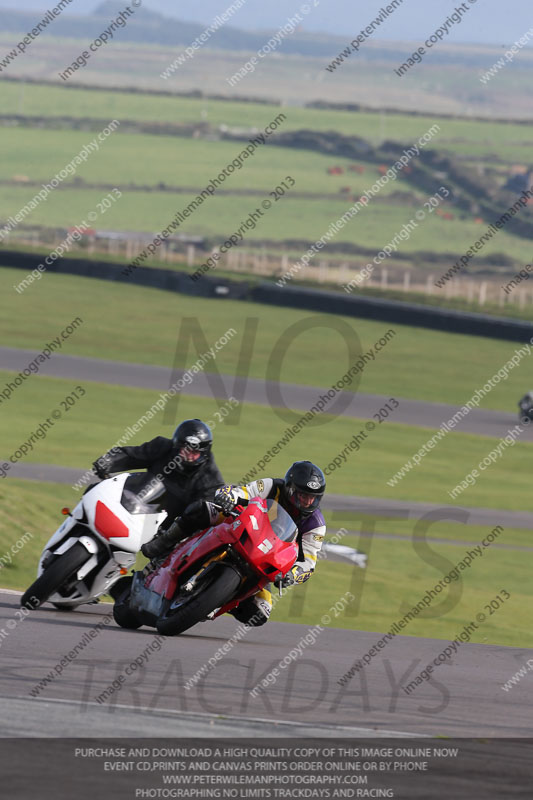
(250, 535)
(108, 524)
(197, 548)
(259, 544)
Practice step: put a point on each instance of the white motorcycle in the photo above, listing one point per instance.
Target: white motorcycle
(99, 541)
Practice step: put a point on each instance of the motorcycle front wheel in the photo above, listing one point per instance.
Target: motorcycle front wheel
(186, 609)
(60, 571)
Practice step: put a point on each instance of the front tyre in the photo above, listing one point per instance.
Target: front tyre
(214, 591)
(60, 571)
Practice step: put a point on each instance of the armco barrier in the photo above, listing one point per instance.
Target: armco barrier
(156, 278)
(418, 316)
(288, 296)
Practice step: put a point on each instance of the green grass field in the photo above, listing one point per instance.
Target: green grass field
(288, 218)
(470, 137)
(150, 160)
(122, 158)
(176, 161)
(420, 364)
(99, 418)
(396, 577)
(125, 322)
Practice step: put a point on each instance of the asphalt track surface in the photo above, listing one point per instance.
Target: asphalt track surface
(464, 698)
(252, 390)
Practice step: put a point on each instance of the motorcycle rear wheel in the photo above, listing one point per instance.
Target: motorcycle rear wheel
(54, 576)
(122, 613)
(219, 590)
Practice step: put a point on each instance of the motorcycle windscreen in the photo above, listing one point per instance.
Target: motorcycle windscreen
(283, 526)
(143, 494)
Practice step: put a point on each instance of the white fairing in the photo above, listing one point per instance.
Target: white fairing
(141, 527)
(121, 550)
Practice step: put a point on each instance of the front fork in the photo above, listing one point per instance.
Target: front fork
(193, 580)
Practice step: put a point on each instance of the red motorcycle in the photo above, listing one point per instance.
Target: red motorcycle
(213, 571)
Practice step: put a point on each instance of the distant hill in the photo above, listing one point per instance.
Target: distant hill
(488, 22)
(149, 27)
(152, 27)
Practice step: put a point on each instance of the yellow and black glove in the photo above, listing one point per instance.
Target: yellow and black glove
(295, 575)
(227, 499)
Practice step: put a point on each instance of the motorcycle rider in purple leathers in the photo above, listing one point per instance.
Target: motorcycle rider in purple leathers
(299, 493)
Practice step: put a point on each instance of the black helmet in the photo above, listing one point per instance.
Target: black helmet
(193, 440)
(305, 485)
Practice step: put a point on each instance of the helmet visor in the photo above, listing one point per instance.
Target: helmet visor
(305, 499)
(189, 454)
(306, 502)
(193, 454)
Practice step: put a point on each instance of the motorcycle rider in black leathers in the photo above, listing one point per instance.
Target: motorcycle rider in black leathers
(299, 493)
(182, 469)
(526, 408)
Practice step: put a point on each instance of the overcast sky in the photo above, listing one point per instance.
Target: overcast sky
(498, 22)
